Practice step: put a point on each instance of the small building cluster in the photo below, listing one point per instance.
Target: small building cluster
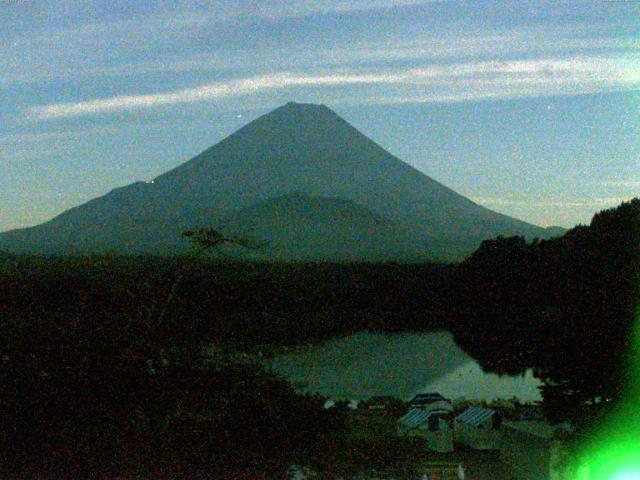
(519, 435)
(477, 428)
(429, 417)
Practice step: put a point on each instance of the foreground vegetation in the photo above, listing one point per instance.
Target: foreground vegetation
(247, 305)
(102, 366)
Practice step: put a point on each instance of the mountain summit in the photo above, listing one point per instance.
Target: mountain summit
(300, 168)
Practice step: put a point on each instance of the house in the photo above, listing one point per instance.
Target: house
(477, 428)
(530, 412)
(528, 448)
(432, 425)
(353, 404)
(329, 404)
(442, 471)
(340, 404)
(430, 401)
(381, 403)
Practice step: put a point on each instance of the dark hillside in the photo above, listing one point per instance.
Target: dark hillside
(100, 374)
(565, 307)
(247, 304)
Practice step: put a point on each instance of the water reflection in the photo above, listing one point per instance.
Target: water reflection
(368, 364)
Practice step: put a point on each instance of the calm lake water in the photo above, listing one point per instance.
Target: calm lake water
(400, 365)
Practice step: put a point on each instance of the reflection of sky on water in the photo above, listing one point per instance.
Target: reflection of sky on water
(368, 364)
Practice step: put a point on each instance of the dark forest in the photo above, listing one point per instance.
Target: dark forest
(104, 366)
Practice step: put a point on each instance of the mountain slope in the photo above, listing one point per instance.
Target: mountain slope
(303, 228)
(295, 148)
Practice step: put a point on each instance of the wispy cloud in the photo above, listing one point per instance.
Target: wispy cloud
(434, 83)
(595, 202)
(498, 44)
(621, 183)
(288, 9)
(74, 134)
(418, 49)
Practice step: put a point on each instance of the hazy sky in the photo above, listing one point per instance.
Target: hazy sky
(529, 108)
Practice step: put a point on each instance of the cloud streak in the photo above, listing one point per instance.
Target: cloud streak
(427, 48)
(561, 203)
(434, 83)
(621, 183)
(280, 9)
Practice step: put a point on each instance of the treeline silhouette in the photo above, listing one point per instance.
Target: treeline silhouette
(564, 307)
(126, 367)
(149, 367)
(227, 302)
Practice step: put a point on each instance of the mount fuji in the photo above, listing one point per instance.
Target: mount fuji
(301, 181)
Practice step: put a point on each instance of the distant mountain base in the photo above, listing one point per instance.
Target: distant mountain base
(299, 227)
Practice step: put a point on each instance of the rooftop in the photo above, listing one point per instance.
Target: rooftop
(535, 428)
(421, 398)
(475, 416)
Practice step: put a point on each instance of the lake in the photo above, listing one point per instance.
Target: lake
(399, 365)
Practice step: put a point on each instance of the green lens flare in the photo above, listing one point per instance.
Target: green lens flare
(627, 476)
(614, 451)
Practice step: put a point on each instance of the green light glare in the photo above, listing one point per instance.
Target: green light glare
(627, 476)
(613, 453)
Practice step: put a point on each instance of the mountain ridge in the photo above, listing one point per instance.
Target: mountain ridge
(304, 148)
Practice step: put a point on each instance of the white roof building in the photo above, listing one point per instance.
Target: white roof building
(476, 417)
(476, 427)
(432, 425)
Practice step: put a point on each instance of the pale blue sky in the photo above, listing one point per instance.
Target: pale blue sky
(529, 108)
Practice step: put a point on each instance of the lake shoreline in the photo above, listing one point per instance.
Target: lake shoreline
(368, 364)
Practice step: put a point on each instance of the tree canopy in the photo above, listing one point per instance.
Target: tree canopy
(564, 307)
